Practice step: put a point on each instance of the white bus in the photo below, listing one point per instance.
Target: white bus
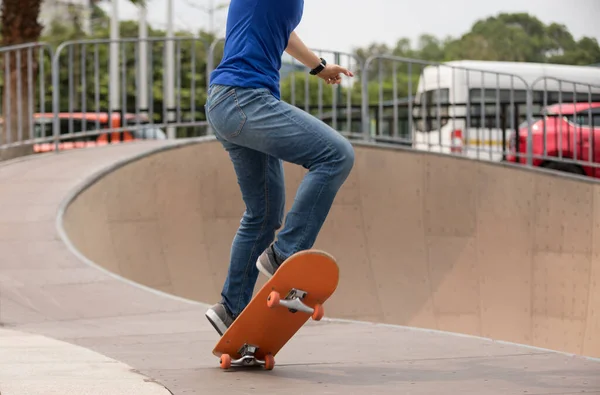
(465, 107)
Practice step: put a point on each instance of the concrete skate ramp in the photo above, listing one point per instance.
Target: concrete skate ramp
(422, 240)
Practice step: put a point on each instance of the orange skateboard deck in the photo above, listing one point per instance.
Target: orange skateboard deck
(293, 295)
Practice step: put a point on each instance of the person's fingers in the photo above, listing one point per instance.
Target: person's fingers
(347, 72)
(329, 78)
(335, 79)
(333, 74)
(344, 71)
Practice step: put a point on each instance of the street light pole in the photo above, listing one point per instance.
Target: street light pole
(170, 67)
(143, 56)
(211, 13)
(114, 56)
(211, 10)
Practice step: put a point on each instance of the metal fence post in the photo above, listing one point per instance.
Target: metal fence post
(56, 98)
(529, 107)
(17, 127)
(210, 66)
(366, 119)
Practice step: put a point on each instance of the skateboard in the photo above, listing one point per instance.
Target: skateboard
(282, 306)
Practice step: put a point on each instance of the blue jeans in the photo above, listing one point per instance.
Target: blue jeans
(258, 132)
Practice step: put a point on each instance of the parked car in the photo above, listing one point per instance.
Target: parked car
(566, 138)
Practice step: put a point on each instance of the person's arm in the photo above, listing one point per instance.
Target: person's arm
(301, 52)
(331, 72)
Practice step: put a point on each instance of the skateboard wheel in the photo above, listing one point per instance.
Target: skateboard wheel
(225, 361)
(269, 362)
(318, 313)
(273, 299)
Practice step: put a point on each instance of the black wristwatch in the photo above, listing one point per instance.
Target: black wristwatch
(319, 68)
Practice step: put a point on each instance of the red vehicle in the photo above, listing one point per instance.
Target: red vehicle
(78, 122)
(568, 131)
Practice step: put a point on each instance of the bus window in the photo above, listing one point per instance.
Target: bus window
(427, 101)
(42, 128)
(491, 99)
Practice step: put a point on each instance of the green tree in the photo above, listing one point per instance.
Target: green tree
(517, 37)
(521, 37)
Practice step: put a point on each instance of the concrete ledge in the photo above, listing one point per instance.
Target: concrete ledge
(34, 364)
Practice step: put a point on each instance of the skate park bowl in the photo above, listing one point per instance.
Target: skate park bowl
(422, 240)
(456, 276)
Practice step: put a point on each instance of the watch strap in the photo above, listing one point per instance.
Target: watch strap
(319, 68)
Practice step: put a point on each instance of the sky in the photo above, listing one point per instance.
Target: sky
(342, 25)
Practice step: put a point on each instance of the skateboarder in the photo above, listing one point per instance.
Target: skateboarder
(258, 131)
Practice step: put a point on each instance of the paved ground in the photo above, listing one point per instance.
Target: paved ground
(46, 289)
(34, 364)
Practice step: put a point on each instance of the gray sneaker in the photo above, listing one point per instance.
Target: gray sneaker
(219, 317)
(268, 262)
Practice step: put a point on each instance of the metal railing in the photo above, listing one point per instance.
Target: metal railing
(566, 127)
(472, 121)
(336, 105)
(25, 89)
(160, 89)
(69, 98)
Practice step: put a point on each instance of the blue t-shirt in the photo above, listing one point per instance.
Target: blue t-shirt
(256, 37)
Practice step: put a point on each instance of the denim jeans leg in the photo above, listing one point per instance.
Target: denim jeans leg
(257, 121)
(260, 177)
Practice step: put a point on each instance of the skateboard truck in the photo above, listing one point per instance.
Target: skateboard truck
(293, 302)
(247, 358)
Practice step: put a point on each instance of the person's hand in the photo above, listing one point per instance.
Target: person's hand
(332, 74)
